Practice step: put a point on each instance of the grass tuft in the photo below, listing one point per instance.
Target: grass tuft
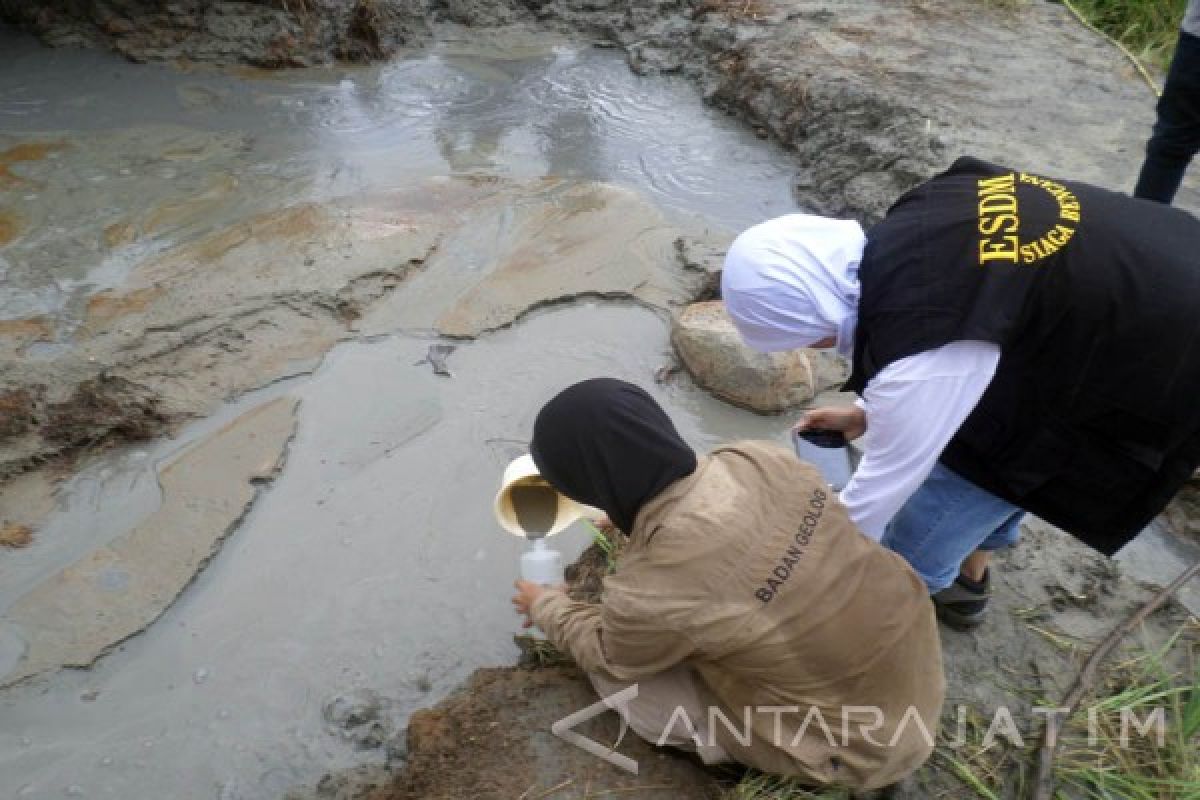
(606, 543)
(759, 786)
(1104, 755)
(1149, 28)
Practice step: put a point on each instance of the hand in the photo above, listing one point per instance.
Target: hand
(850, 420)
(527, 593)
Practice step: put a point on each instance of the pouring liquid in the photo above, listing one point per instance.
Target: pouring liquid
(536, 507)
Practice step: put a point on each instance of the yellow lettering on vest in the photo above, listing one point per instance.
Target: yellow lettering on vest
(997, 204)
(1002, 249)
(1000, 183)
(1001, 223)
(998, 214)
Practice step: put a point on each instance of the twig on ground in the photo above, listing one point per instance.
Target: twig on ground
(549, 791)
(1125, 50)
(1043, 783)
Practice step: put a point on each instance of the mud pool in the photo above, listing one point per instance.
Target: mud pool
(170, 154)
(372, 560)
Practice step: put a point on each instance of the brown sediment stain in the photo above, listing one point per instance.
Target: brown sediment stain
(287, 223)
(10, 226)
(252, 73)
(18, 412)
(108, 305)
(14, 536)
(193, 153)
(120, 234)
(21, 153)
(213, 247)
(189, 209)
(26, 329)
(297, 223)
(102, 407)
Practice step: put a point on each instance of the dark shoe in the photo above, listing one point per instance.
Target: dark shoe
(963, 604)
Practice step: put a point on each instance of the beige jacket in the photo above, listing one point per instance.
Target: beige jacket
(750, 571)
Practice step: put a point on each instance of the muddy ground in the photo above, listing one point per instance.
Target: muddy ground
(868, 97)
(1055, 598)
(871, 98)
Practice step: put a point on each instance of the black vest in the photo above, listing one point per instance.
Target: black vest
(1092, 421)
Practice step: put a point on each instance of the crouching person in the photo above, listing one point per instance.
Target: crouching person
(759, 625)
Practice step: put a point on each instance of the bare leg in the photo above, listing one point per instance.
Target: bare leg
(975, 565)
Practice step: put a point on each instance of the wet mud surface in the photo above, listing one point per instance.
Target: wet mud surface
(293, 242)
(251, 279)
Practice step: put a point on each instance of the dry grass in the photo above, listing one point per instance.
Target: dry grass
(739, 10)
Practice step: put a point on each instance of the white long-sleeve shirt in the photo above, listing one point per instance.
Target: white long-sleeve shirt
(914, 406)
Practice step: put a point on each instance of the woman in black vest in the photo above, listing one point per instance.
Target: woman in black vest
(1018, 344)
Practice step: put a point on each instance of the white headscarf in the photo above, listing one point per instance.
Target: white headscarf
(793, 280)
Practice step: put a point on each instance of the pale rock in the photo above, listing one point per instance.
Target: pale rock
(711, 349)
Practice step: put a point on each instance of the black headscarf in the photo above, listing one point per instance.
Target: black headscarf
(606, 443)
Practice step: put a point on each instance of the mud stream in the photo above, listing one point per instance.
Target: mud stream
(138, 202)
(372, 560)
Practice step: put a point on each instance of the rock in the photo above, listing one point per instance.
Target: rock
(712, 350)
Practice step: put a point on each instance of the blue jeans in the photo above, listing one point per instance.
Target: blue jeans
(946, 520)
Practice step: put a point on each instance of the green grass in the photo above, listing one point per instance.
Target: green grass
(1140, 769)
(757, 786)
(1087, 767)
(1149, 28)
(606, 544)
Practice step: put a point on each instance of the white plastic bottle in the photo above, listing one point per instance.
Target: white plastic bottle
(542, 565)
